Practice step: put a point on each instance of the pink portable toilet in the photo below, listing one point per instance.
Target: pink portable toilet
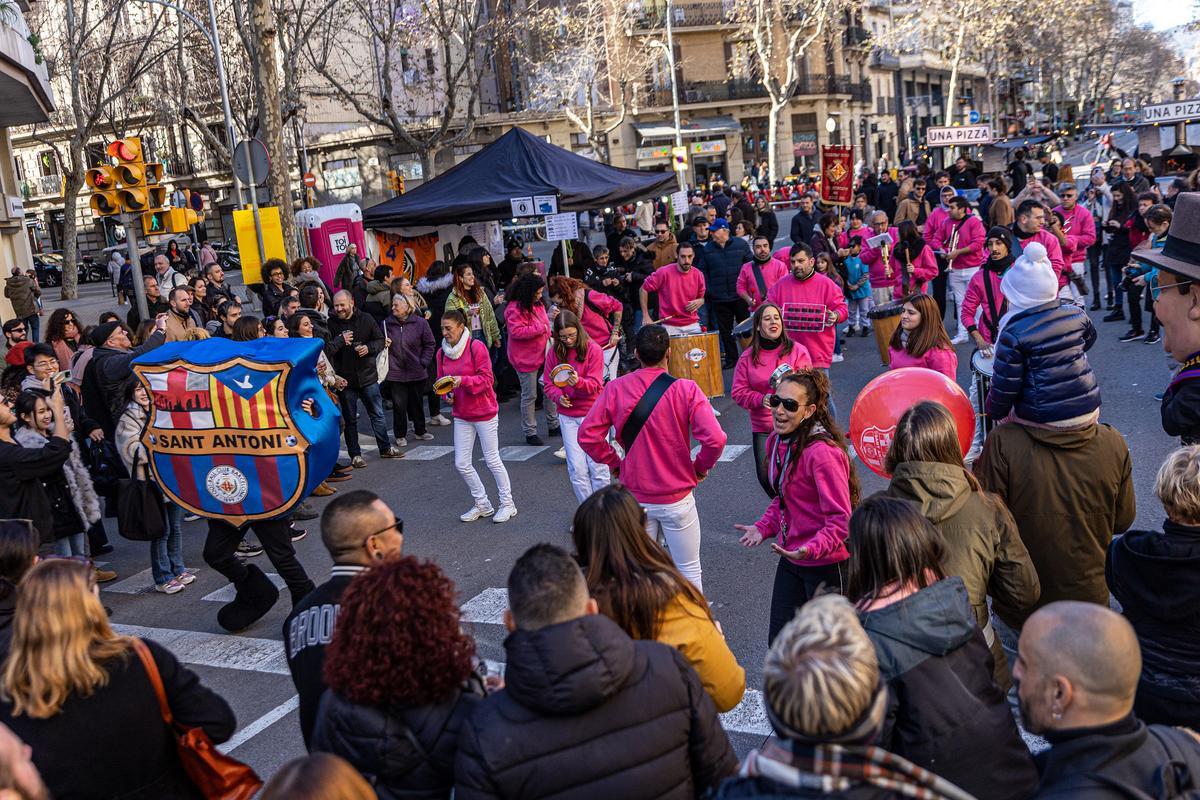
(330, 230)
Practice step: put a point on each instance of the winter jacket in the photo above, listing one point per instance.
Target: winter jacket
(154, 307)
(814, 290)
(1041, 371)
(687, 628)
(803, 226)
(411, 350)
(347, 268)
(983, 545)
(925, 269)
(178, 328)
(938, 359)
(1080, 230)
(1180, 410)
(675, 289)
(379, 742)
(482, 318)
(359, 371)
(772, 271)
(128, 440)
(21, 472)
(857, 271)
(945, 713)
(873, 258)
(378, 300)
(752, 380)
(22, 292)
(131, 754)
(976, 299)
(1155, 576)
(583, 394)
(768, 225)
(528, 334)
(104, 380)
(1069, 491)
(475, 399)
(273, 297)
(913, 210)
(586, 712)
(663, 252)
(722, 265)
(436, 293)
(812, 507)
(659, 468)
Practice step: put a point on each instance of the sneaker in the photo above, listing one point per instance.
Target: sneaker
(959, 338)
(247, 550)
(1133, 336)
(505, 513)
(440, 419)
(556, 432)
(716, 413)
(1152, 338)
(105, 575)
(102, 550)
(1116, 316)
(303, 511)
(838, 358)
(186, 577)
(402, 442)
(191, 517)
(170, 587)
(358, 462)
(561, 453)
(1160, 395)
(391, 452)
(534, 440)
(478, 513)
(866, 332)
(298, 534)
(849, 331)
(423, 437)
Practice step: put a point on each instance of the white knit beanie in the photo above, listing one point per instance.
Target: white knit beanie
(1030, 281)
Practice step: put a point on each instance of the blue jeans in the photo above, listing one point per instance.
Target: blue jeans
(832, 405)
(1116, 280)
(70, 545)
(166, 552)
(373, 401)
(33, 327)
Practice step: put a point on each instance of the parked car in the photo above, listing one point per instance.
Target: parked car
(49, 268)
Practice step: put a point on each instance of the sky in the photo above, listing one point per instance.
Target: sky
(1164, 14)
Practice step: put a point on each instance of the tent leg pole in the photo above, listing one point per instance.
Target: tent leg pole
(566, 263)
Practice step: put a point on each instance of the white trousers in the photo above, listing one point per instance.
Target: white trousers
(586, 475)
(957, 290)
(464, 451)
(685, 330)
(678, 525)
(612, 362)
(1069, 292)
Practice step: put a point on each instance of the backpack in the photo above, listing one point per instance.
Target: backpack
(1178, 777)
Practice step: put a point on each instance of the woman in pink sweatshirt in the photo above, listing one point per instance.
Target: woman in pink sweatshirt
(816, 489)
(466, 362)
(921, 339)
(770, 356)
(528, 335)
(572, 346)
(599, 313)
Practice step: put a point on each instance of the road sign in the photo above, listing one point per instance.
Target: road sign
(974, 117)
(562, 227)
(251, 153)
(1178, 111)
(310, 180)
(545, 203)
(196, 201)
(522, 206)
(959, 135)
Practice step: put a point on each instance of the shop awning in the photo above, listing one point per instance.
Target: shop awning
(688, 128)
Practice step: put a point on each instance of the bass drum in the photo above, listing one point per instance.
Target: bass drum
(884, 321)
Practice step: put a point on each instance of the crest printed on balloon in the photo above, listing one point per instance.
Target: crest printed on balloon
(227, 435)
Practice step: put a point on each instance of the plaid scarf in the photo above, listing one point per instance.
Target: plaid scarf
(837, 768)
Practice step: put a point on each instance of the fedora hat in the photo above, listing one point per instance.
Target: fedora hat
(1181, 252)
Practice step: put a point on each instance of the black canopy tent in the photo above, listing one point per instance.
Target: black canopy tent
(518, 164)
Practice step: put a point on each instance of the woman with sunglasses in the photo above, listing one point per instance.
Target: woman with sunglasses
(64, 334)
(572, 346)
(921, 340)
(815, 489)
(770, 356)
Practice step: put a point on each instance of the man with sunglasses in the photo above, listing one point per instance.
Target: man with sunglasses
(663, 246)
(359, 531)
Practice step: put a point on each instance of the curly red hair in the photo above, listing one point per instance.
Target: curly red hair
(398, 639)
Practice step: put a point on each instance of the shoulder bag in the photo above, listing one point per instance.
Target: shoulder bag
(641, 412)
(141, 510)
(216, 775)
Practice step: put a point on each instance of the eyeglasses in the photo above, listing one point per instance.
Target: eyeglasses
(1162, 286)
(789, 405)
(661, 230)
(397, 526)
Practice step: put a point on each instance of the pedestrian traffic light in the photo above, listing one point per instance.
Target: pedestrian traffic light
(155, 222)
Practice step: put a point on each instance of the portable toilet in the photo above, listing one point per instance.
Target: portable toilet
(330, 230)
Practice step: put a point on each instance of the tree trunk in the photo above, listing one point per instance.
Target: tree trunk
(263, 23)
(427, 159)
(773, 140)
(73, 173)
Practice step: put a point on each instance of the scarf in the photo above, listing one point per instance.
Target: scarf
(79, 480)
(770, 344)
(455, 351)
(999, 265)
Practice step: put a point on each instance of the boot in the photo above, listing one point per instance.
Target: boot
(255, 597)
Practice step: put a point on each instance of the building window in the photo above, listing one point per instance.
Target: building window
(429, 67)
(755, 145)
(408, 165)
(341, 173)
(46, 163)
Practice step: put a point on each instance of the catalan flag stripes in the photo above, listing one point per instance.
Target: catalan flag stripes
(231, 410)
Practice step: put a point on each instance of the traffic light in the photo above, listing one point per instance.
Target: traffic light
(182, 220)
(155, 222)
(103, 183)
(128, 149)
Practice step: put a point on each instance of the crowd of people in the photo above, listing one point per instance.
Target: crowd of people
(912, 634)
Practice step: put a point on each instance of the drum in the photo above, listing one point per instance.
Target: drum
(697, 357)
(444, 385)
(981, 373)
(742, 332)
(884, 320)
(561, 375)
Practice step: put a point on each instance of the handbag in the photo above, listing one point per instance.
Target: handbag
(141, 510)
(103, 464)
(217, 776)
(381, 360)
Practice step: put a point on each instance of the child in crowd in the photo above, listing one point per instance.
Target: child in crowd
(858, 296)
(1041, 372)
(1143, 275)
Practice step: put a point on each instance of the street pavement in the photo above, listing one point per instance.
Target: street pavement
(250, 671)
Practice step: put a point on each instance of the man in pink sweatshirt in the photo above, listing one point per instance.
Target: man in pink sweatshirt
(680, 289)
(1080, 230)
(657, 466)
(884, 274)
(961, 236)
(769, 267)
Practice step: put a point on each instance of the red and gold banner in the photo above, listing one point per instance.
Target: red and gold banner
(837, 175)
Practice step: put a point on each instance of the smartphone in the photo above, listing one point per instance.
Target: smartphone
(62, 377)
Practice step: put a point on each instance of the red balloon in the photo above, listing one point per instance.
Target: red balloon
(882, 402)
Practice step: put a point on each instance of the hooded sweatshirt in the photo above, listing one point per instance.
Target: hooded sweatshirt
(945, 713)
(976, 298)
(772, 270)
(475, 399)
(528, 333)
(583, 394)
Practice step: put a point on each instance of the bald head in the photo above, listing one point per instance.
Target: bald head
(348, 520)
(343, 304)
(1078, 666)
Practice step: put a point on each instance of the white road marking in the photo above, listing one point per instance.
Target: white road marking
(731, 451)
(520, 452)
(259, 725)
(226, 593)
(748, 716)
(140, 583)
(487, 607)
(216, 649)
(428, 452)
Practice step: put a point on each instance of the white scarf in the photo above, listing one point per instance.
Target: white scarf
(455, 351)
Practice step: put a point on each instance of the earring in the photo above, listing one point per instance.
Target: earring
(1057, 713)
(378, 555)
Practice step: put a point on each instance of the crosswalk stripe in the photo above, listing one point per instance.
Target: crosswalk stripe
(731, 452)
(486, 608)
(428, 452)
(141, 583)
(227, 592)
(520, 452)
(748, 716)
(215, 649)
(243, 735)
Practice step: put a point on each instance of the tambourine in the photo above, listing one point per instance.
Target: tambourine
(561, 375)
(443, 386)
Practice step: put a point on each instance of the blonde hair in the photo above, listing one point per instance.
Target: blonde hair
(821, 674)
(1178, 485)
(196, 335)
(318, 776)
(61, 639)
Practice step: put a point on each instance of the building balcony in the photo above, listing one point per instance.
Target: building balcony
(42, 187)
(882, 58)
(696, 92)
(855, 36)
(652, 16)
(25, 94)
(860, 92)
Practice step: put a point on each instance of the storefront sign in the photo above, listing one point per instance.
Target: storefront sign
(804, 144)
(1178, 111)
(662, 152)
(837, 175)
(959, 135)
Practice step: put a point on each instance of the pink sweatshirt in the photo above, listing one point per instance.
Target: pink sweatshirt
(598, 326)
(815, 290)
(850, 234)
(1054, 251)
(772, 271)
(675, 290)
(1080, 230)
(873, 258)
(971, 235)
(752, 380)
(816, 502)
(475, 399)
(938, 359)
(528, 332)
(591, 380)
(976, 299)
(933, 224)
(925, 269)
(659, 467)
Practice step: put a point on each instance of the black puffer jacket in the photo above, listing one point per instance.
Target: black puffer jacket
(1041, 369)
(586, 712)
(722, 265)
(945, 712)
(359, 371)
(376, 742)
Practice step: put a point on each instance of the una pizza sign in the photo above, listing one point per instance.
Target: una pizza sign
(228, 435)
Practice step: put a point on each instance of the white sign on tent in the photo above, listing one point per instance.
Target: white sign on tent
(562, 227)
